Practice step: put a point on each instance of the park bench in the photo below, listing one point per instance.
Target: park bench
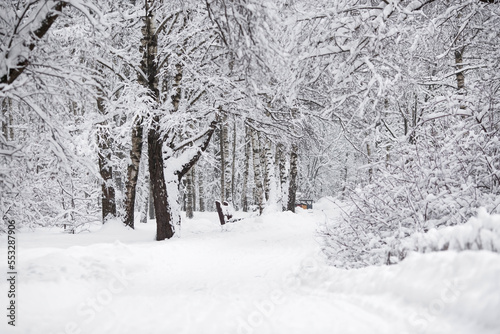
(225, 211)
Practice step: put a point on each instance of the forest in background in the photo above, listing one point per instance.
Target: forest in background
(110, 108)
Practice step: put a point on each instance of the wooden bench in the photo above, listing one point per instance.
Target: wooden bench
(225, 212)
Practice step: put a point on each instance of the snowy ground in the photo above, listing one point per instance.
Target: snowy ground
(259, 275)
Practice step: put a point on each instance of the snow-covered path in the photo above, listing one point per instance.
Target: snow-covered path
(260, 275)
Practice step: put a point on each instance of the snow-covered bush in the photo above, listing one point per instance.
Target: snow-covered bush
(479, 233)
(439, 181)
(49, 192)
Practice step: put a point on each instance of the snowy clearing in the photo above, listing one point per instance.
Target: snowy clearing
(260, 275)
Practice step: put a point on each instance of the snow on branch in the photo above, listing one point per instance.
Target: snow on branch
(188, 158)
(479, 233)
(26, 27)
(15, 54)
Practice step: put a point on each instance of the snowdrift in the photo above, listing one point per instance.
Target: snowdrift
(261, 275)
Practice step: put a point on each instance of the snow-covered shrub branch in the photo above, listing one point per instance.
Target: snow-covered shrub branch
(478, 233)
(439, 181)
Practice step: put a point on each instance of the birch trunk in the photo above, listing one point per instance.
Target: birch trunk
(193, 182)
(189, 194)
(108, 200)
(5, 125)
(281, 161)
(145, 202)
(258, 190)
(270, 183)
(150, 81)
(264, 171)
(248, 148)
(292, 188)
(222, 163)
(7, 129)
(133, 173)
(233, 166)
(369, 155)
(201, 191)
(459, 65)
(225, 165)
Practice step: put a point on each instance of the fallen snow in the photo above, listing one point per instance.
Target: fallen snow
(481, 232)
(259, 275)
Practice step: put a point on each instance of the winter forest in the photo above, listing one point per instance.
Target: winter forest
(122, 114)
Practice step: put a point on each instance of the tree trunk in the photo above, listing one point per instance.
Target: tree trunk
(7, 120)
(144, 211)
(258, 193)
(270, 181)
(459, 65)
(133, 173)
(292, 188)
(108, 200)
(280, 156)
(344, 185)
(222, 164)
(244, 192)
(145, 203)
(224, 158)
(151, 203)
(149, 80)
(164, 230)
(193, 182)
(369, 155)
(201, 191)
(233, 167)
(5, 124)
(262, 157)
(189, 194)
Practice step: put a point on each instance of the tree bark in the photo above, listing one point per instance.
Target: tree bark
(151, 209)
(145, 203)
(133, 172)
(222, 163)
(292, 188)
(369, 155)
(280, 156)
(258, 194)
(225, 180)
(263, 164)
(193, 172)
(108, 200)
(233, 167)
(227, 165)
(270, 181)
(248, 148)
(164, 230)
(201, 191)
(149, 80)
(459, 65)
(190, 194)
(7, 120)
